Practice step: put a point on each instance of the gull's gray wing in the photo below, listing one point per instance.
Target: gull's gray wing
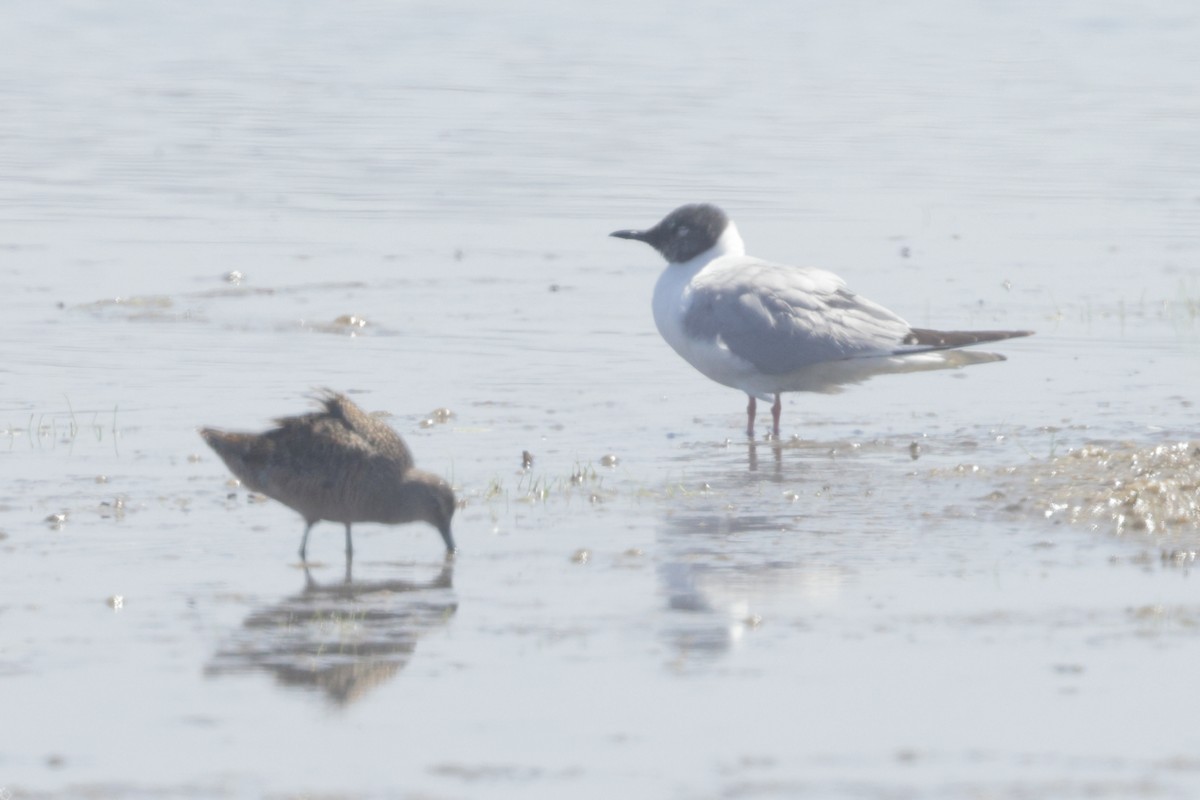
(782, 318)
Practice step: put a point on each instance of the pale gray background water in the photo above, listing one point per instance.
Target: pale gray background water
(839, 621)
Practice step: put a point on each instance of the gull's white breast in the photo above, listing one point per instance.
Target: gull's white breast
(673, 297)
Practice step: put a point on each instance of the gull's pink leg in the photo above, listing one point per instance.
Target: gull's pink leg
(776, 410)
(751, 407)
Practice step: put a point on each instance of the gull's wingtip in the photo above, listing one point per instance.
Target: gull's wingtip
(944, 340)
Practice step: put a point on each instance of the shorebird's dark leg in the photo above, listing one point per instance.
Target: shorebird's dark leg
(304, 541)
(776, 410)
(349, 544)
(751, 408)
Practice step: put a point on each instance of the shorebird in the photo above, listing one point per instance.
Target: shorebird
(769, 328)
(339, 464)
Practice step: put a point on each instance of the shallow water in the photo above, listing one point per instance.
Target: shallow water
(709, 617)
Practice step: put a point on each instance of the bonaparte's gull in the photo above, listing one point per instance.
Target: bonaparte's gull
(768, 328)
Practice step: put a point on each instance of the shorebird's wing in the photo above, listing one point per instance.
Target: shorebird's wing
(373, 430)
(781, 319)
(314, 463)
(294, 462)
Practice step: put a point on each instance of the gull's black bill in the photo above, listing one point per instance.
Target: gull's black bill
(640, 236)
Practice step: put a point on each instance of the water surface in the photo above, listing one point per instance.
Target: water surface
(710, 617)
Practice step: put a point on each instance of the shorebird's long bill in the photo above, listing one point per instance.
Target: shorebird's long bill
(448, 538)
(636, 235)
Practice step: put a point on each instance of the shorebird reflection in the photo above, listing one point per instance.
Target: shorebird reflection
(340, 638)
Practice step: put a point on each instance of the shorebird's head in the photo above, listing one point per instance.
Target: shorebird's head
(425, 497)
(685, 233)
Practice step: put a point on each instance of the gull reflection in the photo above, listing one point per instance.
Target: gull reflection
(737, 547)
(340, 638)
(710, 588)
(776, 450)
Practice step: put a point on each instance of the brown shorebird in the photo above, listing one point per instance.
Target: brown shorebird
(768, 328)
(340, 464)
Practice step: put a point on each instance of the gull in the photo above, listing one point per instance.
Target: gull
(339, 464)
(768, 328)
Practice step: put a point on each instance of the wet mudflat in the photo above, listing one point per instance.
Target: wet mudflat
(973, 583)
